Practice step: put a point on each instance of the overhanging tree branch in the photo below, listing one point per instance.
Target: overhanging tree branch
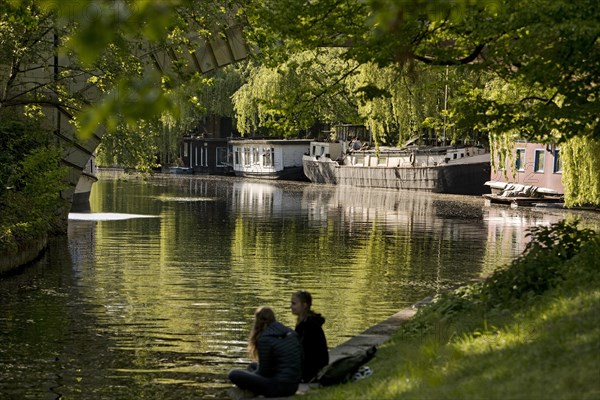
(461, 61)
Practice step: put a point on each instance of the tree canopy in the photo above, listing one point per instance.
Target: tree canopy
(322, 86)
(547, 50)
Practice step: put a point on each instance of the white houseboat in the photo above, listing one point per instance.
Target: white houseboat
(269, 158)
(440, 169)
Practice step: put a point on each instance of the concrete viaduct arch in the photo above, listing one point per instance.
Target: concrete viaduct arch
(202, 56)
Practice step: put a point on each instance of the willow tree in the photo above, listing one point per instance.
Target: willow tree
(581, 161)
(307, 89)
(403, 102)
(396, 102)
(323, 86)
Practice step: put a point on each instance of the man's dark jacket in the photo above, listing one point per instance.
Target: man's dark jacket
(315, 354)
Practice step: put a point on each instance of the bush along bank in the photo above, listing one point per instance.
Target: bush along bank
(529, 331)
(31, 180)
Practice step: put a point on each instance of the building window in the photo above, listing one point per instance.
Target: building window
(538, 165)
(185, 149)
(247, 154)
(268, 157)
(557, 162)
(255, 155)
(222, 156)
(236, 156)
(520, 160)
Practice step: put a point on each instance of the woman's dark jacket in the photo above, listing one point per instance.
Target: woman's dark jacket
(315, 354)
(279, 353)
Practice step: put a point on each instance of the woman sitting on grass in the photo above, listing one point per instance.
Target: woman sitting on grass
(277, 350)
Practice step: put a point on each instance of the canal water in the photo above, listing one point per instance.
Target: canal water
(152, 293)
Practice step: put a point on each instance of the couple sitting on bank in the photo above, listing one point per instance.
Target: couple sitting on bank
(284, 357)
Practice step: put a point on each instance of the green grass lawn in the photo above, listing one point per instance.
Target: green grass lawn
(530, 332)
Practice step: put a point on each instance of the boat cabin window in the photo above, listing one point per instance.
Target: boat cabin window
(557, 162)
(538, 164)
(359, 160)
(222, 156)
(246, 157)
(268, 159)
(204, 155)
(318, 151)
(520, 160)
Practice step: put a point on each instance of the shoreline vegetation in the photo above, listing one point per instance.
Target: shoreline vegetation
(531, 330)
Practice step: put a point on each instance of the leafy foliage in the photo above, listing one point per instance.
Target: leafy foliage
(395, 102)
(307, 89)
(534, 66)
(132, 147)
(515, 69)
(30, 183)
(547, 48)
(416, 99)
(147, 142)
(541, 267)
(16, 138)
(118, 39)
(103, 78)
(581, 171)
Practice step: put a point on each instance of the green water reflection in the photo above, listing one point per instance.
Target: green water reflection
(160, 307)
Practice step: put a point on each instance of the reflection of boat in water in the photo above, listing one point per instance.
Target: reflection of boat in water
(439, 169)
(258, 198)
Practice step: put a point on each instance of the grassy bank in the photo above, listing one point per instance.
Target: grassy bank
(530, 331)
